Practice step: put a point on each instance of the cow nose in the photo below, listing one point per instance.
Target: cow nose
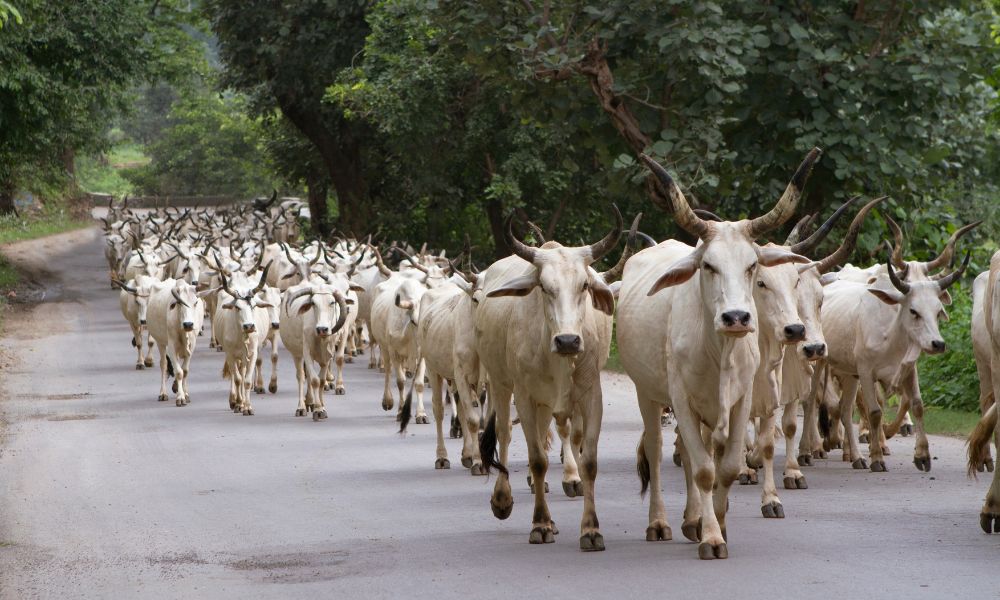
(322, 330)
(275, 326)
(814, 350)
(731, 318)
(567, 343)
(142, 321)
(187, 325)
(249, 327)
(938, 345)
(795, 333)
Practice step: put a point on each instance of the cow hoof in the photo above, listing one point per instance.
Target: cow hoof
(477, 470)
(467, 462)
(744, 479)
(660, 532)
(180, 402)
(805, 460)
(339, 391)
(247, 412)
(173, 388)
(442, 463)
(692, 530)
(677, 459)
(885, 451)
(989, 465)
(860, 464)
(421, 420)
(300, 412)
(327, 387)
(138, 366)
(570, 488)
(923, 463)
(148, 362)
(990, 522)
(349, 359)
(502, 511)
(541, 535)
(819, 453)
(773, 510)
(360, 351)
(878, 466)
(386, 404)
(162, 397)
(592, 542)
(218, 348)
(792, 483)
(273, 388)
(707, 551)
(863, 438)
(906, 430)
(259, 390)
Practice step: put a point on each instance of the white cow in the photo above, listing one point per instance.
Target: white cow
(175, 313)
(133, 299)
(982, 346)
(240, 321)
(989, 426)
(690, 343)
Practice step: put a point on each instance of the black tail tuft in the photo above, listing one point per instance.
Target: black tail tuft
(824, 420)
(488, 447)
(407, 411)
(170, 368)
(642, 466)
(134, 344)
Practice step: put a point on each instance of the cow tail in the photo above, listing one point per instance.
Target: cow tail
(170, 367)
(134, 344)
(642, 465)
(225, 370)
(406, 411)
(824, 420)
(488, 447)
(979, 440)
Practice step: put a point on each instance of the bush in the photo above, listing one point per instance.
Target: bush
(950, 380)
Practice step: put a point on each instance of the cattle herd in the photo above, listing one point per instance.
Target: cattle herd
(718, 336)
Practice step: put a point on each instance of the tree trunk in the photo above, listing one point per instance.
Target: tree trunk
(318, 188)
(494, 211)
(7, 198)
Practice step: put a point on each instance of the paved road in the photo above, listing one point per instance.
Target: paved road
(105, 492)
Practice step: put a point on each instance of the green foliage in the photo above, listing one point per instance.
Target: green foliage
(103, 173)
(209, 147)
(7, 12)
(950, 380)
(54, 218)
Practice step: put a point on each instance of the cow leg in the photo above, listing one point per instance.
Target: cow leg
(728, 454)
(319, 405)
(587, 420)
(691, 526)
(248, 366)
(571, 483)
(148, 361)
(272, 385)
(702, 467)
(300, 378)
(792, 477)
(849, 388)
(469, 419)
(910, 388)
(502, 500)
(182, 379)
(874, 420)
(387, 399)
(770, 503)
(400, 367)
(137, 342)
(648, 457)
(372, 356)
(437, 402)
(163, 373)
(808, 443)
(418, 388)
(338, 384)
(535, 422)
(258, 379)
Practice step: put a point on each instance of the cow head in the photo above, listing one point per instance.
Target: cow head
(727, 260)
(408, 296)
(921, 305)
(245, 302)
(187, 303)
(327, 304)
(566, 284)
(140, 289)
(774, 296)
(269, 298)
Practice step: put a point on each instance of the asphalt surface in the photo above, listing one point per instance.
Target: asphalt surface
(107, 493)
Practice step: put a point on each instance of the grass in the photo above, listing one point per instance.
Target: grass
(103, 174)
(48, 222)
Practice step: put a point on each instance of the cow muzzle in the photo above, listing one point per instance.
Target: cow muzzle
(814, 351)
(794, 333)
(275, 326)
(249, 327)
(736, 323)
(142, 321)
(937, 347)
(323, 331)
(568, 344)
(188, 326)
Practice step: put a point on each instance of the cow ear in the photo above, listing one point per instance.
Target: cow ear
(348, 301)
(771, 257)
(616, 288)
(827, 278)
(945, 298)
(305, 307)
(356, 288)
(229, 305)
(602, 297)
(207, 292)
(263, 305)
(891, 298)
(679, 272)
(519, 286)
(404, 304)
(289, 275)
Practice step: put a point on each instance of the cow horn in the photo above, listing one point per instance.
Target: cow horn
(605, 245)
(537, 232)
(384, 270)
(354, 265)
(225, 285)
(517, 246)
(902, 286)
(124, 286)
(897, 234)
(413, 262)
(807, 245)
(263, 278)
(850, 240)
(683, 215)
(948, 253)
(615, 273)
(646, 238)
(947, 281)
(795, 235)
(173, 292)
(342, 318)
(788, 201)
(707, 215)
(288, 253)
(295, 296)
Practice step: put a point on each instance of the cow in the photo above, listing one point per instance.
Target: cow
(690, 343)
(175, 314)
(988, 427)
(272, 297)
(982, 346)
(134, 303)
(875, 333)
(311, 316)
(543, 332)
(240, 321)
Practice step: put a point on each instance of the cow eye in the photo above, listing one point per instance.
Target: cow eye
(586, 286)
(710, 268)
(915, 314)
(761, 284)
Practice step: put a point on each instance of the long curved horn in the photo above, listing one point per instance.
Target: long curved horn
(808, 244)
(342, 318)
(897, 250)
(946, 281)
(517, 246)
(173, 292)
(413, 261)
(295, 296)
(708, 215)
(850, 240)
(902, 286)
(948, 253)
(683, 215)
(288, 253)
(788, 201)
(225, 285)
(795, 235)
(384, 270)
(535, 229)
(263, 278)
(354, 265)
(471, 278)
(615, 273)
(646, 238)
(125, 287)
(600, 248)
